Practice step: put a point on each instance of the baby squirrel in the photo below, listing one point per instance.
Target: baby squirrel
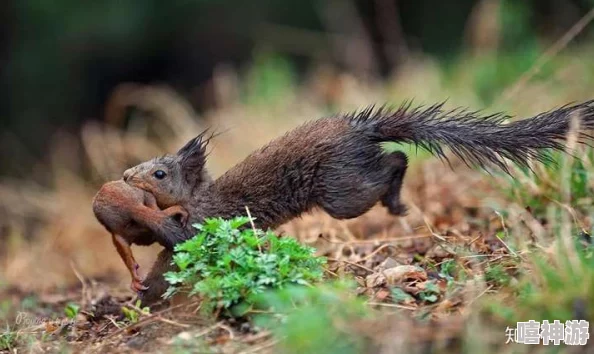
(337, 163)
(132, 216)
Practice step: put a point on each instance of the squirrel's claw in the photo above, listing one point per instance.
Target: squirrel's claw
(137, 286)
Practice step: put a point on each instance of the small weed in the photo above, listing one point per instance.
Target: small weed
(226, 264)
(536, 189)
(497, 275)
(401, 296)
(71, 310)
(133, 315)
(558, 287)
(447, 269)
(8, 339)
(308, 320)
(431, 292)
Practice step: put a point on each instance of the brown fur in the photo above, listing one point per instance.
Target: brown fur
(132, 216)
(336, 163)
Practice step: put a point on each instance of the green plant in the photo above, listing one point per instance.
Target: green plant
(558, 286)
(315, 319)
(496, 274)
(447, 269)
(399, 296)
(227, 263)
(133, 314)
(431, 292)
(71, 310)
(8, 339)
(537, 188)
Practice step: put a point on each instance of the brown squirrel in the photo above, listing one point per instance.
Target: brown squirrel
(337, 163)
(132, 216)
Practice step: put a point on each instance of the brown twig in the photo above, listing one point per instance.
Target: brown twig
(228, 329)
(260, 347)
(391, 305)
(82, 282)
(552, 51)
(253, 227)
(331, 273)
(208, 330)
(158, 318)
(377, 251)
(383, 240)
(257, 337)
(506, 234)
(353, 264)
(144, 320)
(112, 321)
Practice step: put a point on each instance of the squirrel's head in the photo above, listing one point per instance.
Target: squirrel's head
(173, 178)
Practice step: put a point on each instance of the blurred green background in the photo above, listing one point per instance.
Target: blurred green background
(61, 59)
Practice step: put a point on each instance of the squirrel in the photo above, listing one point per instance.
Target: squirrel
(337, 163)
(132, 216)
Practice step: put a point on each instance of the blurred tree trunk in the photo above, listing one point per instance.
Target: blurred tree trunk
(356, 53)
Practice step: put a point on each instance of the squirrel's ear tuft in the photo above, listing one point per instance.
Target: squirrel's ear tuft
(192, 156)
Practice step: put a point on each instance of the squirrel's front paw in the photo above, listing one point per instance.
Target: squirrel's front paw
(137, 286)
(179, 214)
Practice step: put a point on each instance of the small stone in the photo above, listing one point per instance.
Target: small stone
(389, 263)
(186, 336)
(136, 342)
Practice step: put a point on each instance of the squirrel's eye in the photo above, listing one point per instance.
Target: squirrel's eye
(159, 174)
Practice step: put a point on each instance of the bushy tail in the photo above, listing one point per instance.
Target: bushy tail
(478, 140)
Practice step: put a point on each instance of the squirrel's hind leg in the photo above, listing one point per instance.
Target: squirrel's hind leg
(391, 200)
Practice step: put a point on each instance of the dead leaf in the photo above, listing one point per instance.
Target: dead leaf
(404, 272)
(50, 327)
(382, 294)
(444, 305)
(395, 275)
(374, 280)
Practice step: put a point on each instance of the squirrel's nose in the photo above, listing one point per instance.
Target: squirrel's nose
(127, 174)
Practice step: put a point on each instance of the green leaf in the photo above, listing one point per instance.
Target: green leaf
(431, 287)
(227, 263)
(239, 222)
(429, 298)
(399, 295)
(174, 278)
(71, 310)
(182, 260)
